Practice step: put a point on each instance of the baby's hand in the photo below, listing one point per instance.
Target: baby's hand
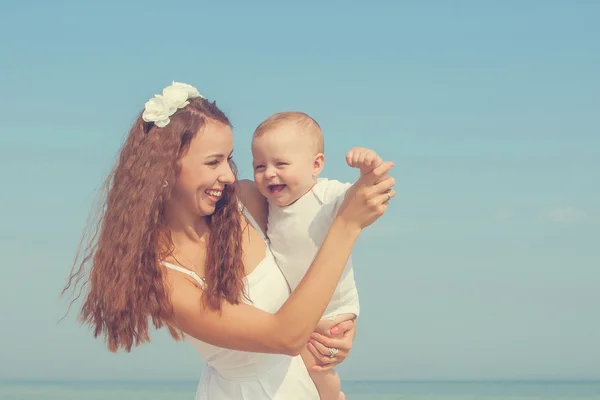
(363, 159)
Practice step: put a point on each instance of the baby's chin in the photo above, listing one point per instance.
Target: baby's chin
(281, 200)
(284, 202)
(289, 197)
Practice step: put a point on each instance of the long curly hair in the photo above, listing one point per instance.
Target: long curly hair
(125, 286)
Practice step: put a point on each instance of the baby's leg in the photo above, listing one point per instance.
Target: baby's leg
(327, 382)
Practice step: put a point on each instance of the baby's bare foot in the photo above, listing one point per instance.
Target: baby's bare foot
(342, 396)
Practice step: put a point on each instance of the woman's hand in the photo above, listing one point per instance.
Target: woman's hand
(368, 198)
(341, 338)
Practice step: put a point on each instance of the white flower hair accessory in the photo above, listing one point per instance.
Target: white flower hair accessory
(160, 108)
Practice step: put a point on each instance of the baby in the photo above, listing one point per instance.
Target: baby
(288, 157)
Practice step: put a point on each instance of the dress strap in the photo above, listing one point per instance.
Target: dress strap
(253, 222)
(188, 272)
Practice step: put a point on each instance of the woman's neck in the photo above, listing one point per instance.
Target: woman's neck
(185, 224)
(189, 238)
(189, 233)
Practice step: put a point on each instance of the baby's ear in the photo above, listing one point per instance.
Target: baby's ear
(318, 164)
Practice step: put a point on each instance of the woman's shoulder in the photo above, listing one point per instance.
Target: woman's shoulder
(253, 201)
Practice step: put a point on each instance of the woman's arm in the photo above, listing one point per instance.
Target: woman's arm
(243, 327)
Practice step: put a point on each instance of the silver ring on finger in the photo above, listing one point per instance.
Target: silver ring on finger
(389, 194)
(332, 352)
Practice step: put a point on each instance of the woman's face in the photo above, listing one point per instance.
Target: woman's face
(205, 170)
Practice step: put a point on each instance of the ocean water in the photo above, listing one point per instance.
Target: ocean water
(354, 390)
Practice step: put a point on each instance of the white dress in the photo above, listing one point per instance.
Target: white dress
(296, 233)
(232, 374)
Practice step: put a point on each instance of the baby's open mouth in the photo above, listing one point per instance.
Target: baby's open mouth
(274, 189)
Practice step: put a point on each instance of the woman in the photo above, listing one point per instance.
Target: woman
(175, 245)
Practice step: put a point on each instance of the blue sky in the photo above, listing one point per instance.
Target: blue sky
(485, 267)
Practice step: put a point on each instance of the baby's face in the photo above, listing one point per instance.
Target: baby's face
(283, 164)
